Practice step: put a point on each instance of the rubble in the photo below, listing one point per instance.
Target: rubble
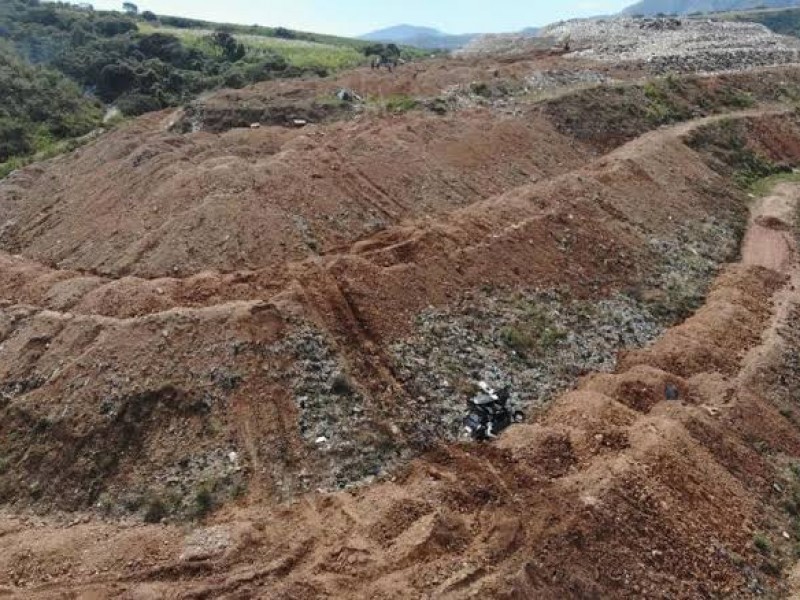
(660, 44)
(682, 45)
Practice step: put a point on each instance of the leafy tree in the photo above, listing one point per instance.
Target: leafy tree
(232, 49)
(16, 138)
(286, 34)
(149, 16)
(130, 8)
(39, 106)
(116, 79)
(374, 50)
(382, 50)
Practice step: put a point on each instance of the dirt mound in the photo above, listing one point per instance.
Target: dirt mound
(598, 499)
(169, 204)
(682, 45)
(339, 358)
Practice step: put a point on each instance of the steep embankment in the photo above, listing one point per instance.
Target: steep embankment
(665, 478)
(225, 333)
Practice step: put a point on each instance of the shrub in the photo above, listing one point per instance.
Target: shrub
(155, 510)
(534, 333)
(762, 543)
(137, 104)
(15, 138)
(203, 502)
(286, 34)
(400, 103)
(481, 89)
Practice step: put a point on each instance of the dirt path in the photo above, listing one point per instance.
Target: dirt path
(770, 241)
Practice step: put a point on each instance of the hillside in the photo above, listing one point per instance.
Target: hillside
(419, 37)
(239, 337)
(684, 7)
(785, 22)
(135, 65)
(39, 109)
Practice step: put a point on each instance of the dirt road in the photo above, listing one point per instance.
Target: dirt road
(770, 241)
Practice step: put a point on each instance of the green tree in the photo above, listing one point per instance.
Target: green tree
(232, 49)
(130, 8)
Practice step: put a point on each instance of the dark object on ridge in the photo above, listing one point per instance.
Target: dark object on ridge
(490, 414)
(672, 392)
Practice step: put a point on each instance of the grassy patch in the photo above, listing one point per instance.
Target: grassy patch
(46, 151)
(765, 185)
(302, 54)
(400, 103)
(762, 543)
(534, 334)
(726, 144)
(663, 105)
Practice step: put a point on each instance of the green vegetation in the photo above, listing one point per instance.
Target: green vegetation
(762, 543)
(783, 21)
(672, 99)
(203, 502)
(39, 108)
(762, 187)
(726, 142)
(400, 103)
(298, 54)
(140, 71)
(62, 64)
(535, 333)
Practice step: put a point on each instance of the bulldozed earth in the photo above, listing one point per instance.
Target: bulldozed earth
(234, 360)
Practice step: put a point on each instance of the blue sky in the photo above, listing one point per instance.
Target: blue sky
(355, 17)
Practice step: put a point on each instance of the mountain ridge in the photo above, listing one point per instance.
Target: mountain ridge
(682, 7)
(419, 36)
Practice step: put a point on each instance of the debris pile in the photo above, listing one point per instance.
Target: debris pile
(683, 45)
(660, 44)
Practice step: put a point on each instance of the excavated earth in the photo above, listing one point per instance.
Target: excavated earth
(234, 360)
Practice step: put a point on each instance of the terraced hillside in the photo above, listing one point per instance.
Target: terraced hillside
(245, 373)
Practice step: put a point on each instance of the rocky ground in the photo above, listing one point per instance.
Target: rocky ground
(661, 45)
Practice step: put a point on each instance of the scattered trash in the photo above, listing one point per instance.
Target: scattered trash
(299, 122)
(321, 440)
(672, 392)
(255, 125)
(348, 95)
(490, 413)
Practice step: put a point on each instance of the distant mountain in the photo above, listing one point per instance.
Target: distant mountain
(683, 7)
(421, 37)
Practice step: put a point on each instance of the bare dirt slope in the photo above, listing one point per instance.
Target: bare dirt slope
(201, 331)
(616, 491)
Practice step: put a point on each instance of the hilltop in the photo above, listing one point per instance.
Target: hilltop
(419, 37)
(130, 64)
(685, 7)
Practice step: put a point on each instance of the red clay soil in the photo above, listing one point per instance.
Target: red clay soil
(610, 494)
(125, 354)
